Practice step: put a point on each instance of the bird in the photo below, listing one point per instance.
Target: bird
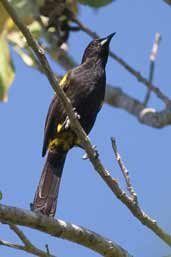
(85, 86)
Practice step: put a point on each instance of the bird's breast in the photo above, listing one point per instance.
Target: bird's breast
(90, 102)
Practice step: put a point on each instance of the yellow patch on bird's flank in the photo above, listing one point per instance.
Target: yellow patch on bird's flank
(65, 140)
(52, 144)
(59, 127)
(63, 80)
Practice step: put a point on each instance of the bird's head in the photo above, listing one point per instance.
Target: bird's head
(98, 49)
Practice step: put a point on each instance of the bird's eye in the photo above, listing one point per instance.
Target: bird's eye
(93, 43)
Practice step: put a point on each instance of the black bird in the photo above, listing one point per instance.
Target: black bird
(85, 86)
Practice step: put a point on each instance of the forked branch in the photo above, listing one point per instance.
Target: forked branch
(61, 229)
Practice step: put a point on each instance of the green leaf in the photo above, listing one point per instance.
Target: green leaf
(27, 59)
(27, 10)
(168, 1)
(3, 17)
(35, 29)
(95, 3)
(6, 68)
(0, 195)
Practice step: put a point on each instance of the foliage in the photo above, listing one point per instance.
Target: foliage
(95, 3)
(28, 10)
(0, 195)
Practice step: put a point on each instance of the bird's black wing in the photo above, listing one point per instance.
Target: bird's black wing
(56, 114)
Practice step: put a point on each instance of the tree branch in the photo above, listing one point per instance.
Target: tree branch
(124, 171)
(27, 247)
(62, 229)
(153, 57)
(47, 249)
(148, 116)
(21, 235)
(91, 152)
(12, 245)
(135, 73)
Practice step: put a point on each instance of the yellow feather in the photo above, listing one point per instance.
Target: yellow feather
(59, 127)
(52, 144)
(65, 139)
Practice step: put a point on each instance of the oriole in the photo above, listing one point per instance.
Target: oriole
(85, 86)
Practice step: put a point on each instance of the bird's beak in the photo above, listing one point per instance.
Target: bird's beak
(107, 39)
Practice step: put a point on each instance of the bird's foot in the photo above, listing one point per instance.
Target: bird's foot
(76, 113)
(66, 123)
(96, 154)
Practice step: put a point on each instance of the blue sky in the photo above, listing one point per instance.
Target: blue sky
(84, 198)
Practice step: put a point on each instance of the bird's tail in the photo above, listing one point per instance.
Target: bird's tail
(45, 199)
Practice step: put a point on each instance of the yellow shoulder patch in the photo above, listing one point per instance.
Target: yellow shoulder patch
(63, 81)
(59, 127)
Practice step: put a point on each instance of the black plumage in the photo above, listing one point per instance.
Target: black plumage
(85, 86)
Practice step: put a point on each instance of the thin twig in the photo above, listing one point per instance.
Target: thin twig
(27, 247)
(47, 249)
(21, 235)
(124, 171)
(153, 57)
(12, 245)
(84, 28)
(135, 73)
(112, 183)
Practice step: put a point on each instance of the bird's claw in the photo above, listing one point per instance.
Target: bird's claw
(66, 123)
(76, 113)
(96, 154)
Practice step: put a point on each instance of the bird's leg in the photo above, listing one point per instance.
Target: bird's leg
(76, 113)
(66, 123)
(96, 154)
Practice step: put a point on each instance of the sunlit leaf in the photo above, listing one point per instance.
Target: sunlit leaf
(40, 2)
(35, 29)
(17, 39)
(25, 9)
(25, 57)
(1, 195)
(73, 5)
(6, 68)
(95, 3)
(3, 18)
